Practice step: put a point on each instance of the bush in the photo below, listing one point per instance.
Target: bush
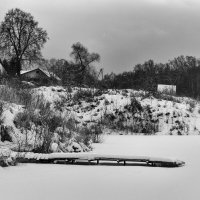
(46, 139)
(41, 122)
(4, 133)
(82, 95)
(89, 135)
(25, 96)
(60, 104)
(4, 130)
(135, 106)
(96, 133)
(14, 95)
(163, 96)
(84, 136)
(134, 118)
(192, 105)
(25, 119)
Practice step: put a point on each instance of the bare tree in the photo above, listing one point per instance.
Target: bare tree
(83, 59)
(20, 39)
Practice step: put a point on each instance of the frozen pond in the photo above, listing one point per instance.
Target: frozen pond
(100, 182)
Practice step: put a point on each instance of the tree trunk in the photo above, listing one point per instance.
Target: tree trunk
(18, 68)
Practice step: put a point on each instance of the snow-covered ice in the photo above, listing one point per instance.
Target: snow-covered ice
(109, 182)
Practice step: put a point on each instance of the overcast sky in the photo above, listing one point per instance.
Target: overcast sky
(123, 32)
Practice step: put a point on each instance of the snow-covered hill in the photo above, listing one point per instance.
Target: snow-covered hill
(119, 110)
(91, 112)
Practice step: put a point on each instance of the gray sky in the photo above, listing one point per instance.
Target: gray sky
(123, 32)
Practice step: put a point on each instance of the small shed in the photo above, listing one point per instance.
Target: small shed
(167, 89)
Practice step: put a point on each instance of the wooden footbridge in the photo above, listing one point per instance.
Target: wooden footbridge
(91, 158)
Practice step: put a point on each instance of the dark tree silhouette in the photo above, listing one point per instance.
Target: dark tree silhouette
(82, 60)
(20, 40)
(182, 71)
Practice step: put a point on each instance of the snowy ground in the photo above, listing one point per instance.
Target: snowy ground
(177, 115)
(123, 111)
(83, 182)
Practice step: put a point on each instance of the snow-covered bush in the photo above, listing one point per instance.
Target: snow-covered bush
(179, 128)
(192, 105)
(81, 120)
(40, 124)
(84, 136)
(83, 95)
(133, 117)
(6, 159)
(163, 96)
(4, 130)
(97, 133)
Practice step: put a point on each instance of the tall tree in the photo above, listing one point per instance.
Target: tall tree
(20, 40)
(82, 60)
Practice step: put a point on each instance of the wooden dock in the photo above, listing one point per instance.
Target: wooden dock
(91, 158)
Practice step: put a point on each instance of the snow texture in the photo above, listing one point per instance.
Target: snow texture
(179, 116)
(112, 182)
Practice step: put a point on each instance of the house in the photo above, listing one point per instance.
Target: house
(167, 89)
(39, 74)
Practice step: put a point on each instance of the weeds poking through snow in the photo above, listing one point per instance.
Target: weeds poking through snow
(83, 95)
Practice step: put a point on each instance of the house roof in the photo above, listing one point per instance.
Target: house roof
(47, 73)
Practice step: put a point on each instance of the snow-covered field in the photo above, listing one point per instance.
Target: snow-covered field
(178, 115)
(123, 111)
(109, 182)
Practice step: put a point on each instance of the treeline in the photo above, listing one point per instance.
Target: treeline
(72, 74)
(183, 71)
